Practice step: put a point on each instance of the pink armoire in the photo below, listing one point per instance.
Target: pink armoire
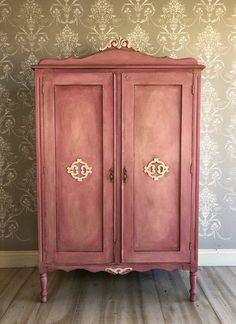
(117, 163)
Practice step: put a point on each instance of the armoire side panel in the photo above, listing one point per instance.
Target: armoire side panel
(78, 114)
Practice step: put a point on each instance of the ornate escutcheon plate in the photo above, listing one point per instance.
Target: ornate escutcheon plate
(79, 170)
(156, 169)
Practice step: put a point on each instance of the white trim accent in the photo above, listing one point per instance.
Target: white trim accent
(207, 257)
(219, 257)
(18, 259)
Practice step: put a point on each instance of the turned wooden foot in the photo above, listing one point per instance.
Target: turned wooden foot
(43, 284)
(193, 282)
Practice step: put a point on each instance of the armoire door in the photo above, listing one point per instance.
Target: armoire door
(156, 146)
(78, 145)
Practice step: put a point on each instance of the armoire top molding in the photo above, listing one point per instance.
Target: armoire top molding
(119, 54)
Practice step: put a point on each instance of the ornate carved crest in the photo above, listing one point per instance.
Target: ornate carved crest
(117, 43)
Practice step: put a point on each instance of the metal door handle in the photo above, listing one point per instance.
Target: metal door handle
(111, 174)
(124, 175)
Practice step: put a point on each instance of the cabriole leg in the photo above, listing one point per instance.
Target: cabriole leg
(43, 284)
(193, 282)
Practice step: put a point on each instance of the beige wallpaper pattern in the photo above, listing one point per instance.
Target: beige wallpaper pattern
(33, 29)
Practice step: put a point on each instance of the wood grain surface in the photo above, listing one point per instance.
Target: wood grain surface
(150, 297)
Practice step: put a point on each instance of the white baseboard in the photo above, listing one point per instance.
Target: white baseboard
(18, 259)
(220, 257)
(207, 257)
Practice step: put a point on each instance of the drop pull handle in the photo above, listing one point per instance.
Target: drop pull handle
(124, 175)
(111, 174)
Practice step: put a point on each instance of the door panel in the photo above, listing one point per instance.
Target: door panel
(157, 117)
(78, 216)
(79, 116)
(153, 140)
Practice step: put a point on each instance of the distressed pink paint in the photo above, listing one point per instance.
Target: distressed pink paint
(117, 109)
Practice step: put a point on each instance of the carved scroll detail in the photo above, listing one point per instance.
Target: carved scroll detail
(117, 43)
(120, 271)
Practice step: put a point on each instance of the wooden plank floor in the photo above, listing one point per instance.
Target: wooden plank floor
(136, 298)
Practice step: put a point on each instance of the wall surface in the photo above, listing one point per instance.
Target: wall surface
(33, 29)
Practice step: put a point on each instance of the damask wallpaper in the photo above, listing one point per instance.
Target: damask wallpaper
(33, 29)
